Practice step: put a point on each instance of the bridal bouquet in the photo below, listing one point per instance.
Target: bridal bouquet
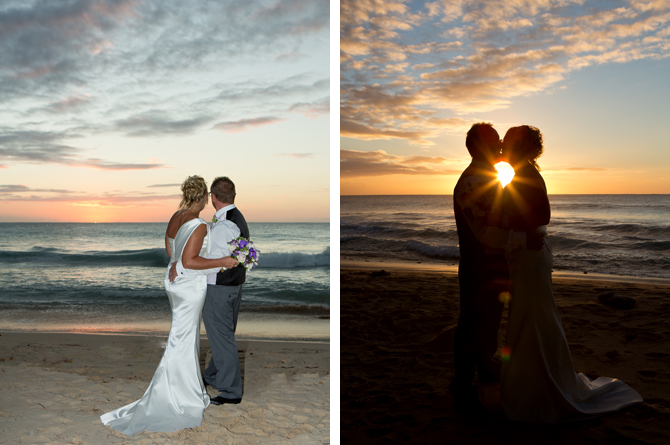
(243, 250)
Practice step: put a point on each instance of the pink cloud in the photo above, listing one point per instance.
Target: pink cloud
(295, 155)
(245, 124)
(71, 103)
(355, 164)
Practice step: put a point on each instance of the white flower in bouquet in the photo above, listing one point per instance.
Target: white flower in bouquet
(243, 250)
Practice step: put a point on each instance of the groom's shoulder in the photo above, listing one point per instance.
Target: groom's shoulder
(470, 178)
(235, 212)
(225, 224)
(238, 218)
(224, 231)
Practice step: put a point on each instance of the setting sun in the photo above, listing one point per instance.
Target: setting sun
(505, 172)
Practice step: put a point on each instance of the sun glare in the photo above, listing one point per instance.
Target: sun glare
(505, 173)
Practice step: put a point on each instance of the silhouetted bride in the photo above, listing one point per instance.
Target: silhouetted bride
(538, 381)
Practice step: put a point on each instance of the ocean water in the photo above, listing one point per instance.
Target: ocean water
(611, 234)
(74, 273)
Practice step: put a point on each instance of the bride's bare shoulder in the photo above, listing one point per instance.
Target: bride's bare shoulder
(174, 224)
(538, 180)
(530, 177)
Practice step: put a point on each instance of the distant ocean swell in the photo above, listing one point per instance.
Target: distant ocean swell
(74, 275)
(364, 245)
(662, 246)
(651, 231)
(613, 234)
(628, 243)
(367, 244)
(563, 242)
(57, 257)
(624, 249)
(444, 252)
(636, 229)
(115, 292)
(388, 238)
(409, 233)
(156, 257)
(287, 260)
(260, 295)
(579, 206)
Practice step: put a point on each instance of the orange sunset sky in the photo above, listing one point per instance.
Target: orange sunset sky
(108, 105)
(591, 75)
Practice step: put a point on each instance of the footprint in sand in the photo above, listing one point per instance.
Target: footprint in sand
(657, 355)
(653, 376)
(659, 405)
(579, 348)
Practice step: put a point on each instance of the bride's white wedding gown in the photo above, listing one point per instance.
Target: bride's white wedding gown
(176, 397)
(538, 381)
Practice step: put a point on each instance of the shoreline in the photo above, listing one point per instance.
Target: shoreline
(453, 269)
(58, 337)
(203, 337)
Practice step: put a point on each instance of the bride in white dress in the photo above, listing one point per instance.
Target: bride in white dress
(539, 383)
(176, 397)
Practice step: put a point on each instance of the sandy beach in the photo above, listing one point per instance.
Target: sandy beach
(397, 359)
(55, 386)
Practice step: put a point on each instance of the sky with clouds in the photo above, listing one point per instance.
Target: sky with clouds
(591, 75)
(108, 105)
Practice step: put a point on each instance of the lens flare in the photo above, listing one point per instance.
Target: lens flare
(505, 173)
(506, 354)
(504, 297)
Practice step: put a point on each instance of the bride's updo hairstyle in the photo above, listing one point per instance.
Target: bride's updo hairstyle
(193, 192)
(526, 143)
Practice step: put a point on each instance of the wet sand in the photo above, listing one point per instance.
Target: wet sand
(251, 326)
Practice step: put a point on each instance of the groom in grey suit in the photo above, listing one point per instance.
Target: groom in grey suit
(224, 293)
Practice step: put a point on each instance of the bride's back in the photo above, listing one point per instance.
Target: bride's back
(173, 245)
(177, 220)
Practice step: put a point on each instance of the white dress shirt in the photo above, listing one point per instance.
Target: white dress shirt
(221, 232)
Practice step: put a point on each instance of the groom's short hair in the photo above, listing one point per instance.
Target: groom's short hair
(477, 138)
(224, 189)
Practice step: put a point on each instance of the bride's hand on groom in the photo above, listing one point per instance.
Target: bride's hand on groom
(173, 272)
(534, 240)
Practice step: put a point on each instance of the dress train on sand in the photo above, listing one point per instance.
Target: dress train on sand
(176, 397)
(539, 383)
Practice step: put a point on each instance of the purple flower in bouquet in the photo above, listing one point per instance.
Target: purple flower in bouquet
(243, 250)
